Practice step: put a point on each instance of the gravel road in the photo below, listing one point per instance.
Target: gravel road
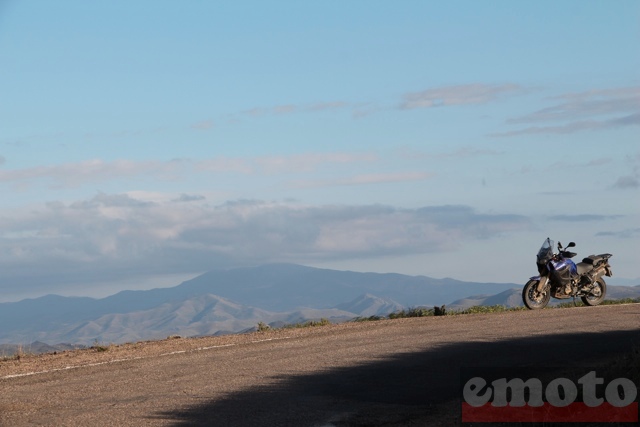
(394, 373)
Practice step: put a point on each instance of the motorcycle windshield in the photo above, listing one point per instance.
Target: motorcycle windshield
(546, 252)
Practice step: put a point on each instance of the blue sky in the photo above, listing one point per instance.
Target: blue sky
(144, 142)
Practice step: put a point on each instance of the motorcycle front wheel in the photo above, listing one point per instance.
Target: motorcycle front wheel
(597, 294)
(533, 299)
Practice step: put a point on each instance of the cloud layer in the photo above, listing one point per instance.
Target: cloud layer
(117, 235)
(468, 94)
(74, 174)
(581, 111)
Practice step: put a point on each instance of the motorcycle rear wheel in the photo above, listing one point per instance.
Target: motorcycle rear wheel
(533, 299)
(598, 294)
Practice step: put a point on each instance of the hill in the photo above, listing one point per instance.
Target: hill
(227, 301)
(224, 301)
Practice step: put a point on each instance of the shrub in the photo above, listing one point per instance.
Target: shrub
(488, 309)
(263, 327)
(578, 303)
(368, 319)
(412, 312)
(99, 347)
(310, 323)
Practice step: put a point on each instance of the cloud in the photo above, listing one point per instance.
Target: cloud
(379, 178)
(600, 162)
(582, 111)
(284, 109)
(74, 174)
(364, 110)
(583, 217)
(587, 104)
(203, 125)
(364, 179)
(189, 198)
(562, 129)
(125, 133)
(97, 170)
(469, 94)
(627, 182)
(292, 108)
(631, 181)
(630, 120)
(325, 106)
(573, 127)
(624, 234)
(309, 161)
(116, 235)
(461, 153)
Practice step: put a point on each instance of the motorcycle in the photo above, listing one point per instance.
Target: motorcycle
(561, 278)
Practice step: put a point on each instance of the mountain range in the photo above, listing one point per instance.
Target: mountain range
(235, 300)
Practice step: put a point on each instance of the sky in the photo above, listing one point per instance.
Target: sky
(143, 143)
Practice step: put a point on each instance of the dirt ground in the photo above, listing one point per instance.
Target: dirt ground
(386, 373)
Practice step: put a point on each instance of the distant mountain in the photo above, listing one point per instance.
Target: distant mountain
(370, 305)
(279, 287)
(274, 288)
(202, 315)
(620, 281)
(224, 301)
(35, 347)
(196, 316)
(620, 292)
(509, 298)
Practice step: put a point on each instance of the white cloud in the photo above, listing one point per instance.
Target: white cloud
(284, 109)
(583, 217)
(293, 108)
(627, 182)
(587, 104)
(324, 106)
(364, 179)
(96, 170)
(189, 198)
(74, 174)
(468, 94)
(590, 110)
(560, 129)
(203, 125)
(116, 235)
(309, 161)
(461, 153)
(624, 234)
(600, 162)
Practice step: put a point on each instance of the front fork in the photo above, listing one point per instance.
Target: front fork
(542, 282)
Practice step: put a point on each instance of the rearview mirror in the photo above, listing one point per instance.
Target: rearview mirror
(571, 245)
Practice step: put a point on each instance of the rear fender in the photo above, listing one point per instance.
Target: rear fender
(602, 271)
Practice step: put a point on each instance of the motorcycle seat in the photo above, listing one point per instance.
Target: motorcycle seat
(596, 259)
(583, 267)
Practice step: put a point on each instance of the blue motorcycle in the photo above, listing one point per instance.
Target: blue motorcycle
(561, 278)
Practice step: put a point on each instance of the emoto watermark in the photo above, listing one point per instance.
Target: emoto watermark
(589, 398)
